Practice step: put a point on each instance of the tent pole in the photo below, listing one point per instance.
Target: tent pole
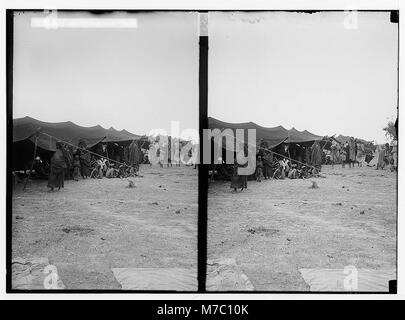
(202, 168)
(32, 164)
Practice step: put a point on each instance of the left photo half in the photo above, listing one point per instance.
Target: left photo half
(103, 181)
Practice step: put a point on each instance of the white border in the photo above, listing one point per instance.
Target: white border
(195, 5)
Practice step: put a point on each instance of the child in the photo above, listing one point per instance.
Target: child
(343, 156)
(259, 169)
(76, 167)
(267, 162)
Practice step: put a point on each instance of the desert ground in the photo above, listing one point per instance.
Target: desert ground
(276, 227)
(93, 225)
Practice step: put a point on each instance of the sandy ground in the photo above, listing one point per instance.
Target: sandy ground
(94, 225)
(274, 228)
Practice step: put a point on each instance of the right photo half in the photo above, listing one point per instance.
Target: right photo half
(302, 122)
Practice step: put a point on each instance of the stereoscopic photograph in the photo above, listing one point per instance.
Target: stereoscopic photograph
(115, 184)
(105, 119)
(316, 208)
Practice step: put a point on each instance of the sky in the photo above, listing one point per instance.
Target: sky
(138, 79)
(309, 71)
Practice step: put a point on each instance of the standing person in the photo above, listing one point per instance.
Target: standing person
(239, 181)
(134, 155)
(360, 154)
(395, 155)
(85, 163)
(335, 152)
(161, 154)
(347, 151)
(343, 155)
(259, 169)
(58, 167)
(169, 153)
(316, 156)
(352, 151)
(76, 167)
(267, 162)
(381, 158)
(388, 154)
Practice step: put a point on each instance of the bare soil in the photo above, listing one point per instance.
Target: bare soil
(93, 225)
(274, 228)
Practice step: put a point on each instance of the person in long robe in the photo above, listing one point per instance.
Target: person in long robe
(134, 155)
(316, 156)
(259, 169)
(395, 155)
(388, 154)
(67, 152)
(347, 152)
(76, 167)
(57, 169)
(360, 154)
(239, 181)
(267, 162)
(343, 155)
(381, 157)
(334, 153)
(352, 151)
(85, 164)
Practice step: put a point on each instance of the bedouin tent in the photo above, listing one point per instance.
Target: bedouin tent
(272, 137)
(27, 131)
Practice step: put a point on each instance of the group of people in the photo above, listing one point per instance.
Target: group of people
(271, 165)
(60, 163)
(354, 151)
(83, 164)
(351, 152)
(387, 156)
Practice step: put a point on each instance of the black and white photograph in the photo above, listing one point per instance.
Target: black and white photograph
(103, 105)
(318, 211)
(201, 156)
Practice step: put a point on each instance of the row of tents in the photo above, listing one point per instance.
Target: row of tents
(26, 128)
(291, 143)
(28, 131)
(273, 137)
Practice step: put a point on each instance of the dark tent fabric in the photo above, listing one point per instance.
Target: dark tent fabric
(295, 136)
(114, 135)
(49, 133)
(272, 136)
